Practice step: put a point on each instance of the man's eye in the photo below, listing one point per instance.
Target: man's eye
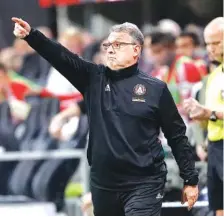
(116, 45)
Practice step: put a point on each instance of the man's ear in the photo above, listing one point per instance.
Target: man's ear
(137, 50)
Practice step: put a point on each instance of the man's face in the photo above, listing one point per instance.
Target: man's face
(214, 44)
(160, 54)
(185, 46)
(121, 50)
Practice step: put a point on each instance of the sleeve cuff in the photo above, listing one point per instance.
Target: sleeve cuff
(192, 181)
(28, 36)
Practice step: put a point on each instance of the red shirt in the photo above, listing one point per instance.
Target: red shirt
(181, 76)
(19, 90)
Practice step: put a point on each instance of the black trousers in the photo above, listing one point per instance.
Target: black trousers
(215, 175)
(146, 200)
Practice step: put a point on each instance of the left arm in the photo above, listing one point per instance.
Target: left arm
(174, 130)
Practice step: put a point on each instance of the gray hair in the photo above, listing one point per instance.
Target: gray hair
(131, 29)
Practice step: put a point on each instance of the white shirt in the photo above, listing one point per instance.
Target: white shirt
(58, 84)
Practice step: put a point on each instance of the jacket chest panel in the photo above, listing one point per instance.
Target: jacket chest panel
(130, 98)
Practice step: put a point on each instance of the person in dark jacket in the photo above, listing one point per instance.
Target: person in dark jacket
(126, 110)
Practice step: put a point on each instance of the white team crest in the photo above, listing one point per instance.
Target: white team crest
(107, 88)
(139, 90)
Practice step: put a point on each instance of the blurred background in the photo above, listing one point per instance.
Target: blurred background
(43, 125)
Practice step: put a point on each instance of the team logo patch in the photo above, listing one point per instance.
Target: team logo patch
(139, 90)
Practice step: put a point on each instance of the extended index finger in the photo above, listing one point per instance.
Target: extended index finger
(19, 21)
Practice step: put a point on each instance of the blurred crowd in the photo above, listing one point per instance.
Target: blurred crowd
(173, 54)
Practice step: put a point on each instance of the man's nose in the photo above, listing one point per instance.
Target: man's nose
(110, 50)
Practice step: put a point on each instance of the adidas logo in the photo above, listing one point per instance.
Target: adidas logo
(107, 88)
(159, 196)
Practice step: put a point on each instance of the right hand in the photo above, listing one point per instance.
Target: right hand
(190, 195)
(21, 29)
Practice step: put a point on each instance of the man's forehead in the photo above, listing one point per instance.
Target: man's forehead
(214, 30)
(213, 35)
(184, 39)
(118, 36)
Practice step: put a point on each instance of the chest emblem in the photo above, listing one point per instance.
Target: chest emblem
(139, 90)
(139, 93)
(107, 88)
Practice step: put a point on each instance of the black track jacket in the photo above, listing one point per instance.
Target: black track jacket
(126, 110)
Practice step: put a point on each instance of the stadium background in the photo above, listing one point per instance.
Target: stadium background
(62, 189)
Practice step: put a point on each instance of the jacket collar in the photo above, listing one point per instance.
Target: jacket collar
(122, 73)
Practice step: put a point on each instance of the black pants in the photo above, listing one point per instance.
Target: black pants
(215, 175)
(144, 201)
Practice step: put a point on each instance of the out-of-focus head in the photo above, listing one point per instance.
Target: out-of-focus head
(186, 43)
(46, 31)
(162, 48)
(169, 26)
(88, 39)
(72, 39)
(147, 46)
(21, 47)
(213, 35)
(11, 60)
(123, 46)
(100, 55)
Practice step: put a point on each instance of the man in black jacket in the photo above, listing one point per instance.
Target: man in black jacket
(126, 110)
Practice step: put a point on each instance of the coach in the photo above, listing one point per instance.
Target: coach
(126, 110)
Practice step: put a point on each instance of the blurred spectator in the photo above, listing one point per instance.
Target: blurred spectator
(34, 66)
(169, 26)
(46, 31)
(99, 56)
(88, 39)
(188, 44)
(14, 86)
(21, 47)
(178, 71)
(196, 30)
(60, 124)
(146, 63)
(11, 59)
(73, 41)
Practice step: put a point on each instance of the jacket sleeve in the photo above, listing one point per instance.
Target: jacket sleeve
(70, 65)
(174, 130)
